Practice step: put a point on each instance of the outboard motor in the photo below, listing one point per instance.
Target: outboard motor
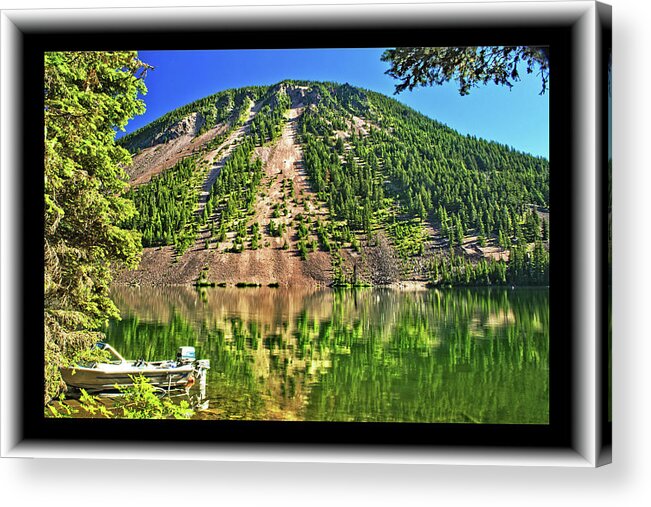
(185, 355)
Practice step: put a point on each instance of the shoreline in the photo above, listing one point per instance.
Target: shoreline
(405, 286)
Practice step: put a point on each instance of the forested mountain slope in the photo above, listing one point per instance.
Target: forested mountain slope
(328, 184)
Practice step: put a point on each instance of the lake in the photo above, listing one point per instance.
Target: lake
(381, 355)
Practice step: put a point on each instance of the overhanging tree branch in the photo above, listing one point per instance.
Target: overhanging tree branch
(468, 66)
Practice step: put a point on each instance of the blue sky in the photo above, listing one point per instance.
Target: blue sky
(518, 117)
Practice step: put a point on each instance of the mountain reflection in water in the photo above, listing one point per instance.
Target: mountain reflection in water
(464, 355)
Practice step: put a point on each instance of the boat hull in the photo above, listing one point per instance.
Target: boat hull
(101, 379)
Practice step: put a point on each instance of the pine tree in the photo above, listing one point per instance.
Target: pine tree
(88, 96)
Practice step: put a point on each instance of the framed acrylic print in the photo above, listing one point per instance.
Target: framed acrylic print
(309, 234)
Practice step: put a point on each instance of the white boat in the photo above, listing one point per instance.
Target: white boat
(105, 376)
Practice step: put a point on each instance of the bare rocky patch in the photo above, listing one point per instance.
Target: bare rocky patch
(161, 157)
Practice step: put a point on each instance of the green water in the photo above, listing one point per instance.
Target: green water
(478, 356)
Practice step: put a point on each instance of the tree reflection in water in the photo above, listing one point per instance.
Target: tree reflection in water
(479, 356)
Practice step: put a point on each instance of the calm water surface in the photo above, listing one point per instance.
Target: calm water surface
(448, 356)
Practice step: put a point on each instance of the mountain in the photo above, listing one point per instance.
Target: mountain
(310, 183)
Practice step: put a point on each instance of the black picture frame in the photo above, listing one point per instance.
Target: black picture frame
(578, 432)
